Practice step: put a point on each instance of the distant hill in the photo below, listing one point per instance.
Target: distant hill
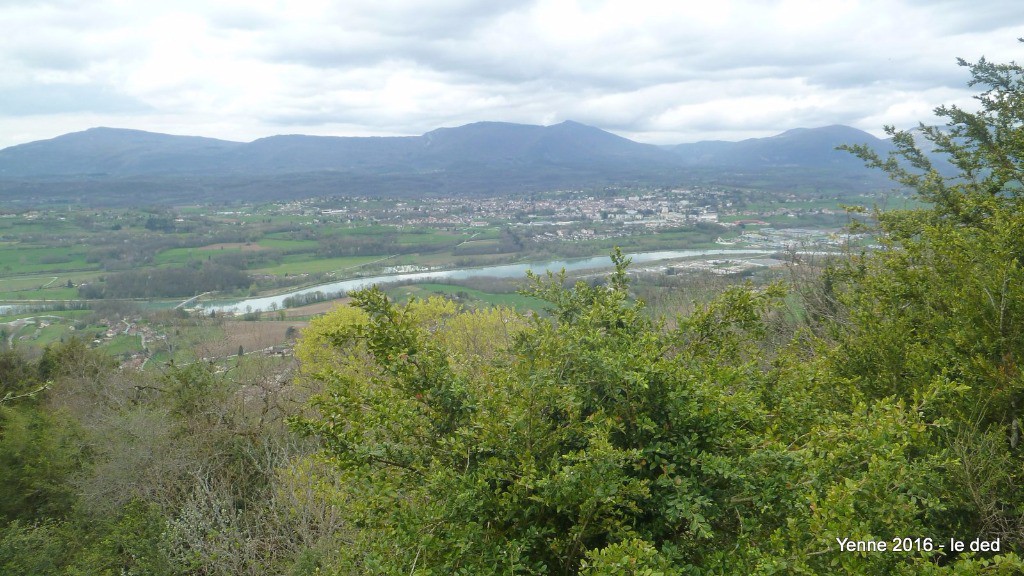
(116, 152)
(479, 158)
(800, 147)
(111, 151)
(568, 143)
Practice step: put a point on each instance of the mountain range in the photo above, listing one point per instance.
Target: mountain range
(479, 158)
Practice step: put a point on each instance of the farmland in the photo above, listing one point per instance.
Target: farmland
(125, 279)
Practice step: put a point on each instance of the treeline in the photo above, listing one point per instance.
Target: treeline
(122, 250)
(168, 282)
(310, 298)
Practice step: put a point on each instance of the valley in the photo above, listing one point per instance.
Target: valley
(154, 284)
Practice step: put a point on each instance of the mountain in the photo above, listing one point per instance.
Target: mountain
(479, 158)
(297, 154)
(110, 151)
(800, 147)
(565, 143)
(115, 152)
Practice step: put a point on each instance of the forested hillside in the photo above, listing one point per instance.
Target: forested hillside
(875, 400)
(116, 167)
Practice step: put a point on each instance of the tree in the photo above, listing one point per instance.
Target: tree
(953, 272)
(939, 313)
(984, 147)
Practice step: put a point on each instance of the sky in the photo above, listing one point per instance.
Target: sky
(660, 72)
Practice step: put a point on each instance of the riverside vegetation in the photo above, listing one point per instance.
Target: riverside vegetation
(882, 402)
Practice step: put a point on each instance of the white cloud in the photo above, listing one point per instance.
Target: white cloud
(660, 72)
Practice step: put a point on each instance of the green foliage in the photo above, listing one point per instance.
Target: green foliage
(628, 558)
(945, 299)
(19, 379)
(168, 282)
(130, 544)
(586, 433)
(71, 359)
(39, 451)
(32, 549)
(934, 321)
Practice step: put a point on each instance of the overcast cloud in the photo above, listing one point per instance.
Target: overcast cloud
(660, 72)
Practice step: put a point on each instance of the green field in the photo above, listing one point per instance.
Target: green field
(309, 264)
(431, 238)
(183, 255)
(39, 287)
(22, 259)
(19, 283)
(44, 329)
(58, 292)
(468, 295)
(289, 245)
(122, 344)
(480, 245)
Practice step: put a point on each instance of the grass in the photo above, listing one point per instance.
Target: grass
(67, 314)
(47, 226)
(484, 233)
(519, 302)
(180, 356)
(479, 244)
(183, 255)
(25, 283)
(431, 238)
(362, 230)
(186, 336)
(307, 264)
(59, 291)
(34, 336)
(289, 245)
(39, 287)
(21, 259)
(123, 343)
(50, 334)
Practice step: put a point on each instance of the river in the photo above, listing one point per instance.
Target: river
(503, 271)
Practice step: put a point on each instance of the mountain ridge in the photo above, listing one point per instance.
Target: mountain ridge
(477, 158)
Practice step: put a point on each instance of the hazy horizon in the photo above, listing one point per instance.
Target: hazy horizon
(879, 134)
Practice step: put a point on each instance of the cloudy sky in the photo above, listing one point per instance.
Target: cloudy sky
(655, 71)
